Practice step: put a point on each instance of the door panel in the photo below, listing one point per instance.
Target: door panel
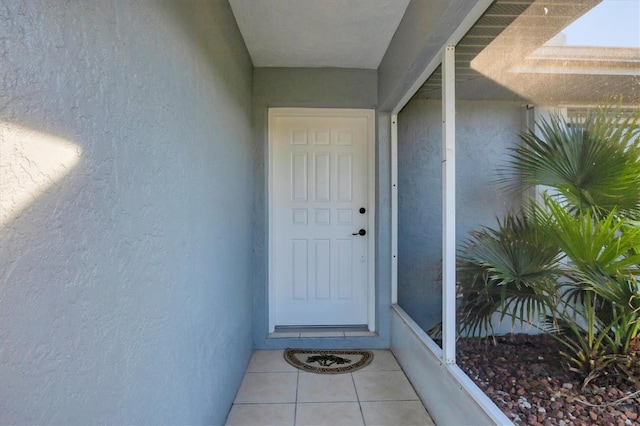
(318, 184)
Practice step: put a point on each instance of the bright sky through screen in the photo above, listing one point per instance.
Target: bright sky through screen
(612, 23)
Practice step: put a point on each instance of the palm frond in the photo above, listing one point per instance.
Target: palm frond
(606, 245)
(510, 271)
(593, 164)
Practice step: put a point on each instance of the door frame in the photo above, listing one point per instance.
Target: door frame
(369, 114)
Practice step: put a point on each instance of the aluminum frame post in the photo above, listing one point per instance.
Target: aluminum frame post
(448, 206)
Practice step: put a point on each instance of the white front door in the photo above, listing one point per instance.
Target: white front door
(321, 217)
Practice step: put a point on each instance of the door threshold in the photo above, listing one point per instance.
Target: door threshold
(320, 331)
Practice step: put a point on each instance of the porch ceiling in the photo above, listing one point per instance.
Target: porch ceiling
(318, 33)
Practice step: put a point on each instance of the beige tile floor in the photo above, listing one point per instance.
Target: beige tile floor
(275, 393)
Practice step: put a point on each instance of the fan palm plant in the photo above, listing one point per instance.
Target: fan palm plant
(573, 257)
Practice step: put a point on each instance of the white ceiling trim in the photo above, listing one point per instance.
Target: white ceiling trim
(318, 33)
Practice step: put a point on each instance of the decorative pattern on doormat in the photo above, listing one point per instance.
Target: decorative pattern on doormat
(328, 361)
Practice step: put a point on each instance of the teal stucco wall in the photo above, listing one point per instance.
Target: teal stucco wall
(485, 131)
(127, 192)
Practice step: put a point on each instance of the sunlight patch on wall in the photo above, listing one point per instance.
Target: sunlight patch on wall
(30, 163)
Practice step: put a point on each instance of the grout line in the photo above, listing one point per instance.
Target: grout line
(393, 400)
(295, 407)
(326, 402)
(355, 388)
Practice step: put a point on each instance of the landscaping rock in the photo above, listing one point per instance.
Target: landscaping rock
(530, 382)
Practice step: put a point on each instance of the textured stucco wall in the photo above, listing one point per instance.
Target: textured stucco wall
(318, 88)
(125, 287)
(484, 132)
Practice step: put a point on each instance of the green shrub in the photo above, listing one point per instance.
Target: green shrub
(568, 262)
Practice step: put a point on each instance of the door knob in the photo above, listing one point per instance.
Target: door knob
(360, 232)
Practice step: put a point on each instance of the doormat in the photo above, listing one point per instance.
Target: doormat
(328, 361)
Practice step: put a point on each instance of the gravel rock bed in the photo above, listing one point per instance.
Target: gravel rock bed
(526, 377)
